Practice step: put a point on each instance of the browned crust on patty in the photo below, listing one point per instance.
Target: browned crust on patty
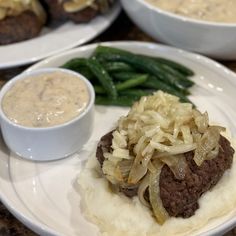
(56, 13)
(180, 197)
(18, 28)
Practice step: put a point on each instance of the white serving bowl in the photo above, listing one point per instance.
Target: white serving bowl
(216, 40)
(48, 143)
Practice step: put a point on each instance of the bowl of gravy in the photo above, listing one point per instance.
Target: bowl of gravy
(47, 114)
(204, 26)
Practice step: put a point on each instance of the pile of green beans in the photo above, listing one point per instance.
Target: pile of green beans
(120, 77)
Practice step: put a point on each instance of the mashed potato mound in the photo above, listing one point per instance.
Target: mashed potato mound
(118, 215)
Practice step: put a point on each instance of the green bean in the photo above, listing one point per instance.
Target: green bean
(153, 83)
(120, 101)
(179, 67)
(74, 63)
(105, 49)
(117, 67)
(142, 63)
(104, 78)
(99, 89)
(122, 76)
(130, 83)
(79, 65)
(87, 73)
(187, 83)
(133, 82)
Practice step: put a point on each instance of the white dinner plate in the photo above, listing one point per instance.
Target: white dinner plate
(45, 197)
(55, 40)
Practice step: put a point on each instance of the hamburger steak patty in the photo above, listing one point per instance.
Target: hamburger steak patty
(180, 197)
(18, 28)
(57, 13)
(104, 145)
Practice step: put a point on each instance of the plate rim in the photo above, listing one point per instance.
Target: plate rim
(39, 227)
(229, 74)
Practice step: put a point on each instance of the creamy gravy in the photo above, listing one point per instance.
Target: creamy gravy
(46, 100)
(208, 10)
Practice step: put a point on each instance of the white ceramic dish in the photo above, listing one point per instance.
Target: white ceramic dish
(58, 141)
(45, 197)
(52, 41)
(212, 39)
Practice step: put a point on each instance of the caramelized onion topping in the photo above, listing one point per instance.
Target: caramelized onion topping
(16, 7)
(159, 130)
(159, 211)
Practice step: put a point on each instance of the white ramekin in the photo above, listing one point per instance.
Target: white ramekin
(48, 143)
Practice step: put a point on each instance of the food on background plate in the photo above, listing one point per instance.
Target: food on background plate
(76, 10)
(120, 77)
(24, 19)
(208, 10)
(20, 20)
(46, 99)
(156, 167)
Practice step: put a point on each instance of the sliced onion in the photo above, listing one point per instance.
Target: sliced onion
(207, 143)
(147, 158)
(151, 167)
(175, 149)
(213, 153)
(159, 211)
(187, 136)
(124, 167)
(137, 171)
(201, 120)
(142, 189)
(196, 136)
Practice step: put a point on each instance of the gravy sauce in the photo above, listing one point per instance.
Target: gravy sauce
(46, 100)
(223, 11)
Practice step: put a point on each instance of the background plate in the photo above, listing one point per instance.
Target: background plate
(55, 40)
(45, 197)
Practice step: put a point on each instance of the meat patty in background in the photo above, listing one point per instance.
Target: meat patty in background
(61, 10)
(22, 23)
(18, 28)
(18, 25)
(56, 13)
